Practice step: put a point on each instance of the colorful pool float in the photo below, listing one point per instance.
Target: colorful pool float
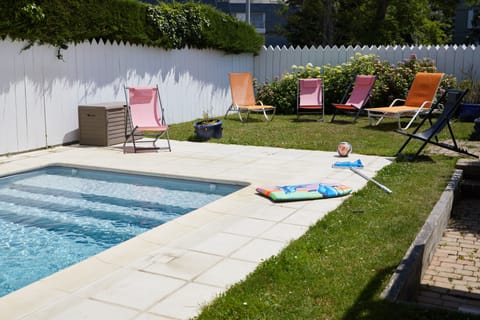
(304, 191)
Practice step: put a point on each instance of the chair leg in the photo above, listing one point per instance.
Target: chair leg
(357, 115)
(334, 114)
(240, 116)
(379, 120)
(158, 136)
(133, 141)
(230, 109)
(408, 125)
(168, 141)
(419, 150)
(371, 116)
(132, 136)
(265, 114)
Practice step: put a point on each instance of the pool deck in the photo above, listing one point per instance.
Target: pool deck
(170, 271)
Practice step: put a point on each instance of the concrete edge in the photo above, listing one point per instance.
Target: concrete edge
(405, 281)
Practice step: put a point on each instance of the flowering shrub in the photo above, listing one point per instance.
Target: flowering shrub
(393, 81)
(281, 93)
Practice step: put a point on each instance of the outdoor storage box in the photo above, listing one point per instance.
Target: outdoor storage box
(102, 124)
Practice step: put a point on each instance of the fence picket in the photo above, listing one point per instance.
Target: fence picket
(450, 59)
(39, 94)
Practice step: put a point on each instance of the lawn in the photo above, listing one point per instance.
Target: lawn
(338, 269)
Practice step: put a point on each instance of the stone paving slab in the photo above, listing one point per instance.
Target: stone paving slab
(170, 271)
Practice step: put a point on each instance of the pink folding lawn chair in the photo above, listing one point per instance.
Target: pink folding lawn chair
(362, 88)
(310, 97)
(145, 115)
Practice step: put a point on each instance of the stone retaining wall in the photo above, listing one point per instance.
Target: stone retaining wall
(405, 281)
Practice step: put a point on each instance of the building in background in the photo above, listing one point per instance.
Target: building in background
(467, 24)
(264, 16)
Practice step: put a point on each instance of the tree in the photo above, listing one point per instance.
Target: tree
(304, 27)
(370, 22)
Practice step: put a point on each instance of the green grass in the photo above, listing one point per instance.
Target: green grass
(339, 267)
(286, 132)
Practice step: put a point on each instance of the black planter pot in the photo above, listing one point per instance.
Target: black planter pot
(469, 112)
(477, 127)
(206, 129)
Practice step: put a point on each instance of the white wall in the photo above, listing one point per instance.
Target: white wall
(40, 94)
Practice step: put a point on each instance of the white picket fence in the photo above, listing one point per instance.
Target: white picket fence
(458, 61)
(40, 94)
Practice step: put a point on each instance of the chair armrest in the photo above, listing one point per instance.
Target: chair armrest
(395, 101)
(424, 103)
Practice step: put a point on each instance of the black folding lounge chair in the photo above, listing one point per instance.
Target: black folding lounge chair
(451, 101)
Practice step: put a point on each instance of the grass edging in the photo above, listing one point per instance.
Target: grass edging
(404, 283)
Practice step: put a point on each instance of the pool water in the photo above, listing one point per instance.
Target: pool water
(54, 217)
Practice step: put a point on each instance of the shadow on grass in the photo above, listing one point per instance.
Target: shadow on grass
(308, 120)
(343, 122)
(369, 306)
(252, 118)
(196, 139)
(474, 137)
(384, 126)
(410, 157)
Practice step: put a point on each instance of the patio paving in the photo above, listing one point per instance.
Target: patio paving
(452, 280)
(170, 271)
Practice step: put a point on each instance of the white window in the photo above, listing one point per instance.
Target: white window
(257, 19)
(473, 18)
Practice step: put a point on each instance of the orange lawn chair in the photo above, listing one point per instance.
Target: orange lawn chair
(419, 99)
(243, 97)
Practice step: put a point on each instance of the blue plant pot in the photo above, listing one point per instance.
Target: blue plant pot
(207, 129)
(469, 112)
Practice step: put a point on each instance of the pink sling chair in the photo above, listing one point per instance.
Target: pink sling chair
(145, 114)
(310, 97)
(362, 89)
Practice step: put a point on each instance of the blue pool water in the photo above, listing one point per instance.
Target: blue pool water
(54, 217)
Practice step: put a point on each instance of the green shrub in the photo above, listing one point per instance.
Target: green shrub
(168, 26)
(393, 81)
(281, 93)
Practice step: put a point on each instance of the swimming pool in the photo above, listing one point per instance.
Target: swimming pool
(56, 216)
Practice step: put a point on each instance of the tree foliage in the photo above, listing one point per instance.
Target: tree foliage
(369, 22)
(175, 25)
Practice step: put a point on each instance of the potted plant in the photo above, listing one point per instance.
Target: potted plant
(208, 128)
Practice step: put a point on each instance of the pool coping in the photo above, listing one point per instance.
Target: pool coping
(254, 228)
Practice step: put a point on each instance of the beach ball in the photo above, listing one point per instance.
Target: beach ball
(344, 149)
